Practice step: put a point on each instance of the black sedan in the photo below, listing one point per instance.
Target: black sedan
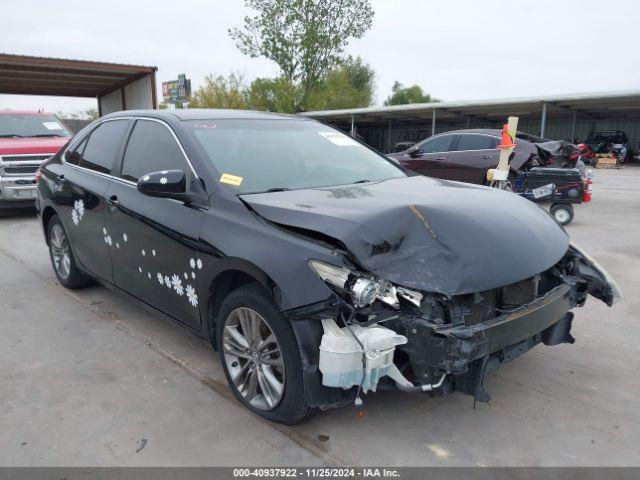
(319, 269)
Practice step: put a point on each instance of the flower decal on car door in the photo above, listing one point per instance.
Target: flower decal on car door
(177, 285)
(192, 296)
(78, 211)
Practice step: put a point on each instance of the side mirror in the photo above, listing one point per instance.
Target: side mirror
(414, 152)
(165, 184)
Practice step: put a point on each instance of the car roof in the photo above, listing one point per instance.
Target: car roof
(484, 131)
(205, 114)
(495, 132)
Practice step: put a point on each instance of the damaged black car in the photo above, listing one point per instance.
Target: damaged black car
(319, 269)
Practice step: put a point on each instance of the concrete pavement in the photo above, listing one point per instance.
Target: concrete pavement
(88, 378)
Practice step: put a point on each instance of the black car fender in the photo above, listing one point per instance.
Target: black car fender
(227, 274)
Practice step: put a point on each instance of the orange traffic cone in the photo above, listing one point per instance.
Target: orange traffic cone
(507, 139)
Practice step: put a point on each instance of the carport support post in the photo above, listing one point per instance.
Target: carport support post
(353, 127)
(543, 121)
(433, 121)
(573, 127)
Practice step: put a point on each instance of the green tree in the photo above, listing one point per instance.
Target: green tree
(221, 92)
(305, 38)
(92, 113)
(350, 84)
(401, 95)
(274, 95)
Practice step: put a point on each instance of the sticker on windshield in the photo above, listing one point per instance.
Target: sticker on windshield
(339, 139)
(231, 180)
(52, 126)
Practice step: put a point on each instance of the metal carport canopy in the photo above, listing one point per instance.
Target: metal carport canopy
(588, 105)
(21, 74)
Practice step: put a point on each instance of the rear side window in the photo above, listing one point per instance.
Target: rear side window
(476, 142)
(437, 144)
(103, 145)
(151, 148)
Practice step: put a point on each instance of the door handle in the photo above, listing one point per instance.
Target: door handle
(486, 156)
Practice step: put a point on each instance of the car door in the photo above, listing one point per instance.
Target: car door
(156, 239)
(473, 155)
(430, 157)
(80, 195)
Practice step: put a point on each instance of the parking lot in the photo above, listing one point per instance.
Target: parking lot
(88, 378)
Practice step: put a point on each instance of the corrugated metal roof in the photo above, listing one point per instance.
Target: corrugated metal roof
(24, 74)
(594, 105)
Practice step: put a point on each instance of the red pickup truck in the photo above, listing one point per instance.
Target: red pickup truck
(26, 140)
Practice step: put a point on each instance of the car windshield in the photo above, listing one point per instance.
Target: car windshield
(15, 125)
(269, 155)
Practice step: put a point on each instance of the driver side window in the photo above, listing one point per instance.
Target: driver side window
(151, 148)
(438, 144)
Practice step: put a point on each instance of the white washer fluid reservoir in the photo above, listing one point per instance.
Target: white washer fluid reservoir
(343, 363)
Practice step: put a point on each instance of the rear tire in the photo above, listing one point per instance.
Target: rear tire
(260, 356)
(562, 213)
(62, 260)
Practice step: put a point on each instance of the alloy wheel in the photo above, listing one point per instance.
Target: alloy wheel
(60, 252)
(253, 358)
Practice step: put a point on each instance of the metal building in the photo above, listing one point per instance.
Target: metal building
(115, 86)
(556, 117)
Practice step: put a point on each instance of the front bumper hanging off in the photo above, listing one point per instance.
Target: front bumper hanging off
(464, 354)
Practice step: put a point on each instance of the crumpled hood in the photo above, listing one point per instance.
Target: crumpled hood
(432, 235)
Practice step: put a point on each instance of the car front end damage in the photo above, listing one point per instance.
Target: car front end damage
(439, 343)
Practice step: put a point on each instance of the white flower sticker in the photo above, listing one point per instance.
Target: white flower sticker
(143, 252)
(192, 262)
(193, 275)
(78, 212)
(199, 262)
(186, 276)
(140, 269)
(177, 285)
(104, 231)
(164, 172)
(117, 245)
(153, 252)
(160, 279)
(108, 240)
(163, 180)
(145, 178)
(124, 237)
(192, 296)
(149, 275)
(167, 281)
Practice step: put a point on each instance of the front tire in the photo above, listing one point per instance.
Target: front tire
(64, 265)
(260, 356)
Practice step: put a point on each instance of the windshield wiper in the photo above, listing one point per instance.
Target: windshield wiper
(48, 135)
(277, 189)
(11, 135)
(362, 181)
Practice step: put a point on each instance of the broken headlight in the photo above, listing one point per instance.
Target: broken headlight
(361, 289)
(616, 292)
